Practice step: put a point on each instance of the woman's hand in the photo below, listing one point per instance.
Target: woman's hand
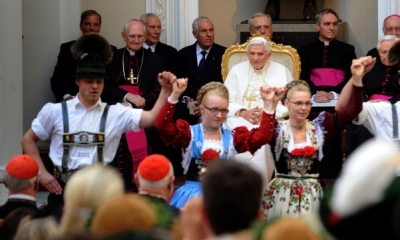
(178, 87)
(360, 67)
(271, 96)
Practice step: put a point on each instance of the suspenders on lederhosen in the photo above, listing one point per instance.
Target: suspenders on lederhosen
(395, 122)
(82, 138)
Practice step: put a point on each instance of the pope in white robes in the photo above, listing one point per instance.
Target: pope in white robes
(245, 103)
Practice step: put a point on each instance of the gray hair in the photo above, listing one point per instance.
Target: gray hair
(16, 184)
(258, 15)
(163, 183)
(125, 28)
(143, 18)
(258, 41)
(386, 38)
(197, 21)
(321, 13)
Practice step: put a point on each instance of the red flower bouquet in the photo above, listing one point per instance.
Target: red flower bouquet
(209, 155)
(303, 152)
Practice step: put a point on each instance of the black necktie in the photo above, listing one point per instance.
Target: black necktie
(202, 60)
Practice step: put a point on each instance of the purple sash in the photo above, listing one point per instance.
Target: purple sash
(327, 76)
(379, 97)
(137, 143)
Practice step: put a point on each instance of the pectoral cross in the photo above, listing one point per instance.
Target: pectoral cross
(250, 99)
(132, 78)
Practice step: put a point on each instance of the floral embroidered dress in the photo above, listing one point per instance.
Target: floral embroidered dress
(296, 189)
(198, 152)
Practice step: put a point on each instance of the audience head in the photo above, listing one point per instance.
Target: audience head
(258, 52)
(351, 212)
(298, 99)
(123, 213)
(156, 176)
(391, 25)
(90, 22)
(213, 100)
(11, 222)
(232, 196)
(194, 224)
(87, 190)
(21, 175)
(134, 34)
(383, 46)
(287, 228)
(153, 28)
(38, 229)
(261, 23)
(93, 53)
(203, 31)
(327, 21)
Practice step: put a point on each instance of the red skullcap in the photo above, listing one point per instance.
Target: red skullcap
(22, 166)
(154, 167)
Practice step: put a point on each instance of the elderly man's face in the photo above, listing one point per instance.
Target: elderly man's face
(383, 51)
(328, 26)
(205, 35)
(91, 24)
(391, 26)
(153, 28)
(134, 36)
(262, 25)
(258, 56)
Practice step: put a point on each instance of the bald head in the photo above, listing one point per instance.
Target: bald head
(391, 25)
(134, 34)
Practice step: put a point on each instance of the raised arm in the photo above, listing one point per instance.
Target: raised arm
(173, 133)
(148, 118)
(359, 68)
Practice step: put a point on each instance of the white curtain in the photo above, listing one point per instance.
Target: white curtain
(176, 18)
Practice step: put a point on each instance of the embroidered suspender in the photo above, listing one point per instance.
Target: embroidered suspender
(395, 122)
(82, 138)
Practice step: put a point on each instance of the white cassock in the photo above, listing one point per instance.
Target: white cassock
(243, 83)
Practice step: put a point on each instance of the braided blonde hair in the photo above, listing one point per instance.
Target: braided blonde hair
(215, 87)
(296, 85)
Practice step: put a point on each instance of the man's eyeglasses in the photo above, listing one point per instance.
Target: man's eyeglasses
(300, 104)
(215, 111)
(390, 30)
(135, 37)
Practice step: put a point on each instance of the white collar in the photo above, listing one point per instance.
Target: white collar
(326, 43)
(132, 53)
(199, 50)
(153, 47)
(22, 196)
(76, 102)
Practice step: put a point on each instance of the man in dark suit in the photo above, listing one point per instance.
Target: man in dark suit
(22, 180)
(325, 65)
(154, 29)
(201, 64)
(133, 78)
(170, 56)
(62, 82)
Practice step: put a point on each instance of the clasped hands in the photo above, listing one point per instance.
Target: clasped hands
(271, 96)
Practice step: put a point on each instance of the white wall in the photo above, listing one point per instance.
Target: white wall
(114, 15)
(10, 79)
(361, 26)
